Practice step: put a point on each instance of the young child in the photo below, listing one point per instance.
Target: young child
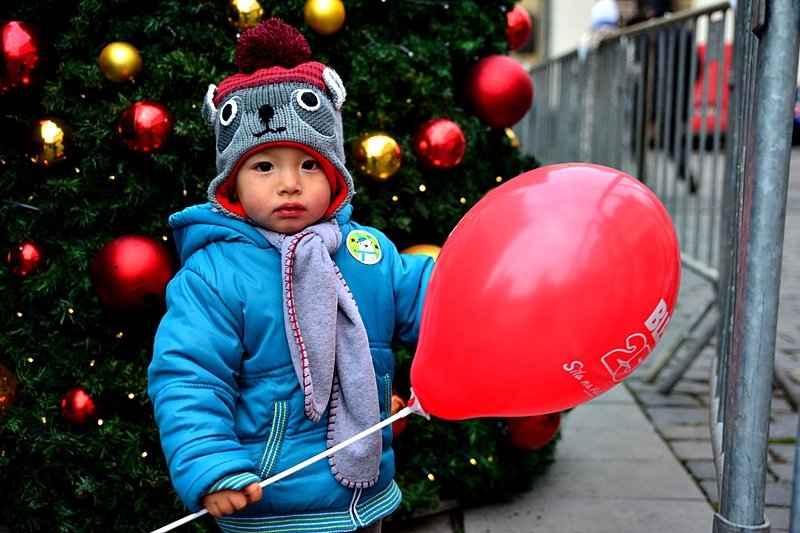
(276, 344)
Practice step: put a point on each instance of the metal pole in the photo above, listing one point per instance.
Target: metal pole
(758, 281)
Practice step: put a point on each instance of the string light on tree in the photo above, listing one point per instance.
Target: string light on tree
(242, 14)
(120, 62)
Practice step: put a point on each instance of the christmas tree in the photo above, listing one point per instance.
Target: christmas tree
(101, 139)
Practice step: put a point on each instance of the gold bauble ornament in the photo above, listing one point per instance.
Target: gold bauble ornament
(430, 250)
(48, 142)
(377, 155)
(120, 62)
(243, 14)
(512, 137)
(324, 16)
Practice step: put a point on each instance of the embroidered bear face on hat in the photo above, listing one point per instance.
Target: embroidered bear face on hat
(278, 98)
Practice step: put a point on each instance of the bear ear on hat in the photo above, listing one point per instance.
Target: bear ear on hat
(209, 110)
(335, 86)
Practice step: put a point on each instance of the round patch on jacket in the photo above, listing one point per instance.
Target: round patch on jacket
(364, 247)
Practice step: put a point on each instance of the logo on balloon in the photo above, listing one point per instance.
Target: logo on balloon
(577, 370)
(658, 320)
(623, 361)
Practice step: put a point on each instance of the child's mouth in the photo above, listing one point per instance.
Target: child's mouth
(290, 210)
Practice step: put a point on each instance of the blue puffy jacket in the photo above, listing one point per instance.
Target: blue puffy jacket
(226, 396)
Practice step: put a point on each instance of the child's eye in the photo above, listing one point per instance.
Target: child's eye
(310, 164)
(264, 166)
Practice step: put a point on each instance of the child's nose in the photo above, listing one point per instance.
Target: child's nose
(290, 181)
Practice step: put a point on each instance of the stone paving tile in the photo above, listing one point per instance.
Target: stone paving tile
(685, 432)
(778, 517)
(687, 450)
(783, 426)
(781, 471)
(702, 469)
(709, 487)
(778, 494)
(678, 415)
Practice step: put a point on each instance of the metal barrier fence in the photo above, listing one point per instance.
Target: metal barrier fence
(695, 106)
(646, 101)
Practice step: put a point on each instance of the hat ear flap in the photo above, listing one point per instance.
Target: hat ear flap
(335, 87)
(209, 110)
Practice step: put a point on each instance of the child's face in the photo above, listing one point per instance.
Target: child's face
(283, 189)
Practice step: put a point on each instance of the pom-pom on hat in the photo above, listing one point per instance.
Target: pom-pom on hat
(278, 98)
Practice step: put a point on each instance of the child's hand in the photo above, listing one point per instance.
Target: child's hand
(228, 501)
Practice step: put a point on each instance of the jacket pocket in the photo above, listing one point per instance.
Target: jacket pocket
(268, 462)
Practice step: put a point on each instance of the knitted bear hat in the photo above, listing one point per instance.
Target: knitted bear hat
(278, 98)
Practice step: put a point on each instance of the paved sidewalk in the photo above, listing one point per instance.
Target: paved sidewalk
(613, 473)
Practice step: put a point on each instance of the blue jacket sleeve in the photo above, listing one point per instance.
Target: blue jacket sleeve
(410, 276)
(192, 383)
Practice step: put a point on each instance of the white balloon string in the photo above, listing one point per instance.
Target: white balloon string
(311, 460)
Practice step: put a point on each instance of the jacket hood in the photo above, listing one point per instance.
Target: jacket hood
(200, 225)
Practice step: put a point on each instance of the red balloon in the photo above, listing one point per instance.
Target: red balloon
(499, 90)
(145, 126)
(519, 27)
(532, 432)
(22, 54)
(77, 406)
(440, 143)
(552, 289)
(130, 273)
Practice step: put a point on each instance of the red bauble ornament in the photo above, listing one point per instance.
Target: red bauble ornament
(440, 143)
(499, 90)
(531, 432)
(8, 390)
(77, 406)
(22, 53)
(24, 258)
(519, 26)
(398, 426)
(145, 126)
(131, 272)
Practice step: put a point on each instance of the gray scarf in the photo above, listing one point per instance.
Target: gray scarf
(329, 348)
